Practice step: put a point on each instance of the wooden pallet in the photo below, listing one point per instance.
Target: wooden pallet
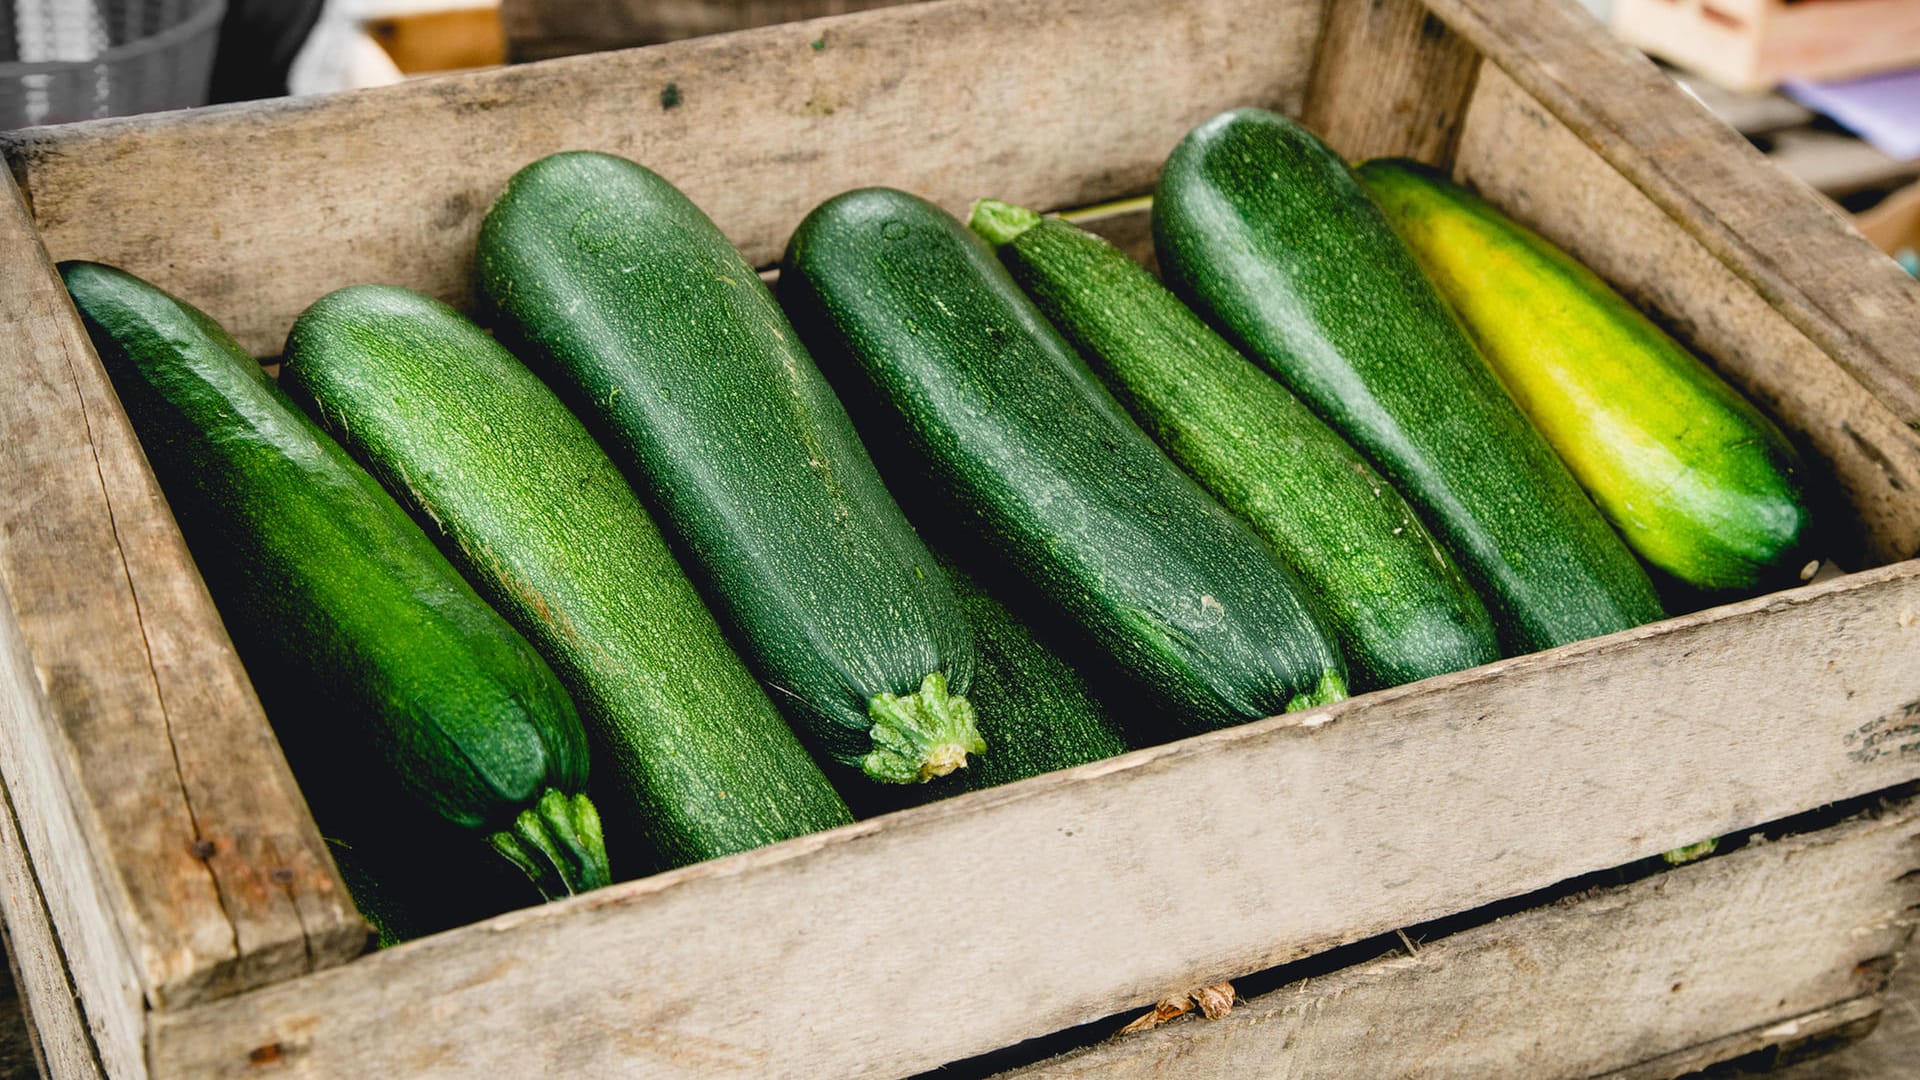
(165, 867)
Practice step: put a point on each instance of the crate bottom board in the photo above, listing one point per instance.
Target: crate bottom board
(1776, 944)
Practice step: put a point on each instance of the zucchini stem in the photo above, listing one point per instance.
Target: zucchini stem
(1331, 688)
(921, 735)
(558, 844)
(998, 223)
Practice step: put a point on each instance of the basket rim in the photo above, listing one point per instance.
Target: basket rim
(192, 26)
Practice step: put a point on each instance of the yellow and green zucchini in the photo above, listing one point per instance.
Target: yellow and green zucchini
(1699, 483)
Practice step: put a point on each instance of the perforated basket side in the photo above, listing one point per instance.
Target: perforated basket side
(80, 59)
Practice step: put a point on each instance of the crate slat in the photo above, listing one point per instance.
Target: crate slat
(1638, 973)
(1230, 852)
(541, 29)
(60, 1037)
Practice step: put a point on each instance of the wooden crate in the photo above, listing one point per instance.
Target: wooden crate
(177, 915)
(1754, 44)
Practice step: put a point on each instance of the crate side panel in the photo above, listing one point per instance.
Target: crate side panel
(59, 1027)
(1515, 152)
(76, 904)
(540, 29)
(1790, 246)
(1141, 876)
(253, 212)
(1390, 80)
(187, 819)
(1604, 980)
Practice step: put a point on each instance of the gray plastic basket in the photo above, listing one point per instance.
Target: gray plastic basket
(66, 60)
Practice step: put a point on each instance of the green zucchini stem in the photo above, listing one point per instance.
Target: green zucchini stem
(557, 843)
(1332, 688)
(1000, 223)
(921, 735)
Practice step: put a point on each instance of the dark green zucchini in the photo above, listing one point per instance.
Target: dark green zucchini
(1264, 231)
(1400, 607)
(618, 289)
(337, 601)
(921, 324)
(690, 758)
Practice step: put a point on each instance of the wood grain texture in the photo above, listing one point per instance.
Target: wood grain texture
(541, 29)
(1516, 153)
(1384, 811)
(186, 830)
(252, 212)
(58, 1033)
(1703, 954)
(71, 888)
(1390, 81)
(1793, 1037)
(1797, 252)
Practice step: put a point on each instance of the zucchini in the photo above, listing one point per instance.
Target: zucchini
(691, 759)
(1700, 484)
(616, 287)
(954, 365)
(333, 596)
(1399, 606)
(1265, 233)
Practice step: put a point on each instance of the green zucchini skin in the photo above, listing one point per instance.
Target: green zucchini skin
(621, 291)
(916, 316)
(1699, 483)
(1392, 595)
(689, 754)
(334, 596)
(1265, 233)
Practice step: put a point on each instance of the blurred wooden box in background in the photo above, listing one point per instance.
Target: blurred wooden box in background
(1753, 44)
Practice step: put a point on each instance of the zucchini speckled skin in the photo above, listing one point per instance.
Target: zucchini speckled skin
(690, 758)
(1265, 233)
(337, 601)
(1400, 607)
(921, 324)
(1699, 483)
(617, 288)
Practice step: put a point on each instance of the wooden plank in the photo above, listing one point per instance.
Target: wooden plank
(185, 831)
(1842, 1021)
(1795, 250)
(1390, 81)
(542, 29)
(252, 212)
(62, 1045)
(1719, 952)
(1515, 152)
(73, 890)
(1140, 876)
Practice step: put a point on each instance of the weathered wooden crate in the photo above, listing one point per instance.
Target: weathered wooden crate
(176, 914)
